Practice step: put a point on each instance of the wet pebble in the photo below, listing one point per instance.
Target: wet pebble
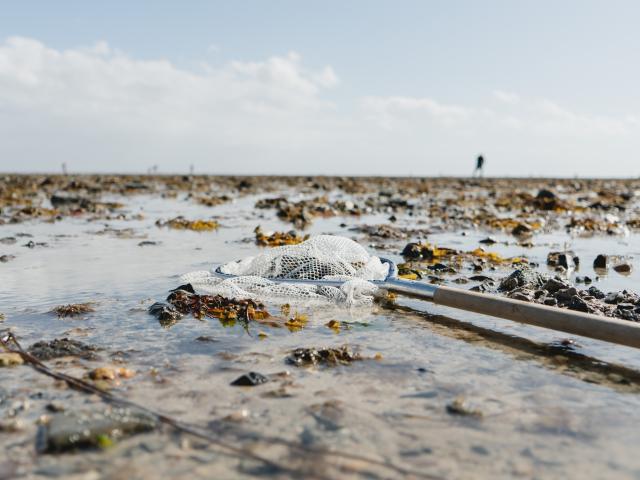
(521, 230)
(601, 262)
(166, 314)
(566, 259)
(586, 280)
(8, 359)
(62, 347)
(460, 406)
(578, 304)
(70, 431)
(554, 284)
(250, 379)
(148, 243)
(102, 373)
(622, 268)
(323, 356)
(488, 241)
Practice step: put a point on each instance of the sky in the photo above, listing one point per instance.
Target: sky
(347, 87)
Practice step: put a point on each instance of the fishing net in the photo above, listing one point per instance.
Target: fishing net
(324, 257)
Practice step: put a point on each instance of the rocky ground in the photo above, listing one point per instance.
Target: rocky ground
(238, 387)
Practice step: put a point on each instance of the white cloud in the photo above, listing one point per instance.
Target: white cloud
(388, 110)
(506, 97)
(98, 109)
(539, 116)
(78, 102)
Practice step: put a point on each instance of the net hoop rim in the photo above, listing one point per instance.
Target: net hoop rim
(391, 275)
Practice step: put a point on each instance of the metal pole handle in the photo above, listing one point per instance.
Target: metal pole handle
(622, 332)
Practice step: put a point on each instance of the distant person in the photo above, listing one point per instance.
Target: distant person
(479, 166)
(64, 168)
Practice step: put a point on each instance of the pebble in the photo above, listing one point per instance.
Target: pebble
(8, 359)
(622, 268)
(69, 431)
(102, 373)
(601, 261)
(250, 379)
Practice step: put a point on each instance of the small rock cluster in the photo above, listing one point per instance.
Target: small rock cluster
(529, 286)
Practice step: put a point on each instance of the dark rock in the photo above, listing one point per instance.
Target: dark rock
(63, 199)
(136, 186)
(8, 240)
(627, 315)
(250, 379)
(71, 431)
(441, 267)
(566, 293)
(547, 200)
(521, 278)
(6, 258)
(625, 306)
(519, 296)
(488, 241)
(244, 185)
(480, 450)
(187, 287)
(55, 407)
(483, 287)
(62, 347)
(578, 304)
(550, 301)
(601, 262)
(544, 193)
(206, 338)
(32, 244)
(521, 230)
(622, 268)
(481, 278)
(597, 293)
(562, 259)
(553, 285)
(412, 250)
(147, 243)
(166, 314)
(613, 298)
(325, 356)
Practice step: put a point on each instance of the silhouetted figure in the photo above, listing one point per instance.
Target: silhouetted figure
(479, 166)
(64, 168)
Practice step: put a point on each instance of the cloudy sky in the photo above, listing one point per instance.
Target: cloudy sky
(334, 87)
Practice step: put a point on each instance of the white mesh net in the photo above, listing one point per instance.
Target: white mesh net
(324, 257)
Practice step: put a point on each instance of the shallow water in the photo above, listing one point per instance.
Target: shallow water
(545, 414)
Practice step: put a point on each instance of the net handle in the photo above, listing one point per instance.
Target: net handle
(622, 332)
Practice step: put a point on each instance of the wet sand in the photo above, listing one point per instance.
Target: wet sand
(531, 406)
